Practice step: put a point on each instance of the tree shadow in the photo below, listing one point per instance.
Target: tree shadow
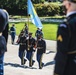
(50, 63)
(18, 65)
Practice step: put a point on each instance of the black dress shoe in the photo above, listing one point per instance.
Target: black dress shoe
(32, 63)
(25, 61)
(41, 66)
(22, 63)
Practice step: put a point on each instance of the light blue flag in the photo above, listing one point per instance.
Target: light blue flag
(34, 18)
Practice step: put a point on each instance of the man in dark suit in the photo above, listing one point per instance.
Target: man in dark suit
(65, 59)
(3, 48)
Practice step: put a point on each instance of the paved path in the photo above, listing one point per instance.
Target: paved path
(12, 61)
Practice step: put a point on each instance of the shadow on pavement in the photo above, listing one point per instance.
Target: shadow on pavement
(49, 63)
(50, 52)
(18, 65)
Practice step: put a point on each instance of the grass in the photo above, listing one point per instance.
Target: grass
(49, 29)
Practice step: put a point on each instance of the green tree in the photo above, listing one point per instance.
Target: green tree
(37, 1)
(3, 3)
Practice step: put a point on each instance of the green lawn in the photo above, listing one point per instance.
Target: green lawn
(49, 29)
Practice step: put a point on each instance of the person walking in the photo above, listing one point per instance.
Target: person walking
(65, 59)
(41, 49)
(13, 33)
(3, 44)
(22, 48)
(30, 49)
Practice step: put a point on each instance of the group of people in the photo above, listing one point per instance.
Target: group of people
(28, 45)
(65, 59)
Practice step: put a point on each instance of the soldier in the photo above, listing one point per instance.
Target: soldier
(30, 51)
(22, 48)
(41, 49)
(24, 30)
(13, 33)
(3, 44)
(21, 33)
(38, 32)
(65, 59)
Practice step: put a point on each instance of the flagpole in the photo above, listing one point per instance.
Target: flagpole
(28, 34)
(28, 28)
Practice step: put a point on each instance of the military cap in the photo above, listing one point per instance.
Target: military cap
(30, 33)
(74, 1)
(3, 19)
(40, 35)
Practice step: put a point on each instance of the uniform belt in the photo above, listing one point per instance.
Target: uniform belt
(0, 34)
(12, 31)
(72, 52)
(39, 47)
(29, 45)
(22, 43)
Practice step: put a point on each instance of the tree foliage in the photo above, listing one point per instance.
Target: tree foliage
(19, 7)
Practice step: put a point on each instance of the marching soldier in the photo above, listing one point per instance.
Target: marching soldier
(24, 30)
(41, 49)
(65, 59)
(21, 33)
(22, 48)
(30, 51)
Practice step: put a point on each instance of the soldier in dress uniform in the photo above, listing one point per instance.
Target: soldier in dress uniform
(3, 44)
(65, 59)
(22, 48)
(24, 30)
(41, 49)
(37, 33)
(30, 51)
(21, 33)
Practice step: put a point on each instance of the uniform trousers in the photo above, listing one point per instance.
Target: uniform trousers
(12, 37)
(39, 59)
(29, 56)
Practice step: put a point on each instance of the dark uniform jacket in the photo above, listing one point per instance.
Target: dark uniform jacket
(5, 32)
(41, 46)
(23, 43)
(65, 59)
(12, 30)
(31, 44)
